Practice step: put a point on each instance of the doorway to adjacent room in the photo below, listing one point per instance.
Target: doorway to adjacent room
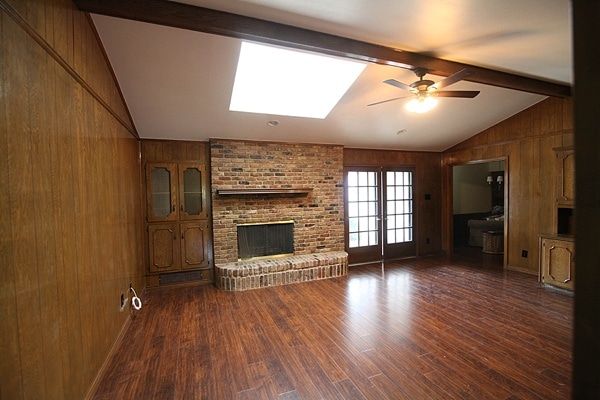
(479, 211)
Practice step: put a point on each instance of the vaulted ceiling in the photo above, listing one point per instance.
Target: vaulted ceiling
(177, 83)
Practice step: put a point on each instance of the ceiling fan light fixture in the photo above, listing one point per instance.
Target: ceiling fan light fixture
(421, 105)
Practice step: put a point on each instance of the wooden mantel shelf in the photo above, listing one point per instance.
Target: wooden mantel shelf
(249, 191)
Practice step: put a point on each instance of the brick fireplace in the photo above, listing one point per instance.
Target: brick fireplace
(318, 215)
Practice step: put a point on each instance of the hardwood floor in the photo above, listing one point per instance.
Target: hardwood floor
(419, 329)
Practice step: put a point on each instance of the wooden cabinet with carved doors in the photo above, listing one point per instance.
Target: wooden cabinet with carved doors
(179, 246)
(176, 191)
(178, 218)
(557, 264)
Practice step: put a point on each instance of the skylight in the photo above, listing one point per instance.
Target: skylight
(272, 80)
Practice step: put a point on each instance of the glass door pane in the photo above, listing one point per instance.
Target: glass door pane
(363, 215)
(192, 194)
(399, 214)
(161, 192)
(399, 205)
(192, 191)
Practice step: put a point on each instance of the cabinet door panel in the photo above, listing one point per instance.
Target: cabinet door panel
(566, 177)
(195, 245)
(161, 191)
(163, 247)
(558, 263)
(192, 191)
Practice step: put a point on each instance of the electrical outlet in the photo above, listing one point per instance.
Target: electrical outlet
(124, 301)
(524, 253)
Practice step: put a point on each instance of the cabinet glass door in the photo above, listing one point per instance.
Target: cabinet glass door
(192, 194)
(161, 192)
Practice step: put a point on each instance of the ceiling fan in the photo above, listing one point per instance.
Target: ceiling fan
(425, 91)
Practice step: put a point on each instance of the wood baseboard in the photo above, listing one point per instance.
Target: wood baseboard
(111, 354)
(522, 270)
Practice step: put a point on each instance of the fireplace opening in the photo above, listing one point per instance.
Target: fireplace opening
(265, 240)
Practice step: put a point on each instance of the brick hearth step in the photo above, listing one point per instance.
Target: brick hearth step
(254, 274)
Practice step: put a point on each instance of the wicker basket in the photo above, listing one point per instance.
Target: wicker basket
(493, 242)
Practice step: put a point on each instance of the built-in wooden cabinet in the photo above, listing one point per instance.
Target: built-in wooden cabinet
(557, 249)
(178, 225)
(557, 264)
(178, 246)
(176, 191)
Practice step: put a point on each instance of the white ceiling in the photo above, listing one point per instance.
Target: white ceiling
(178, 83)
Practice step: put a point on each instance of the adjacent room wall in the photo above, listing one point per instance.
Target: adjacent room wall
(471, 192)
(527, 140)
(69, 203)
(427, 181)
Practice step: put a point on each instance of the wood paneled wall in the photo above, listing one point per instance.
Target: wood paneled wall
(527, 140)
(427, 181)
(70, 226)
(174, 151)
(68, 35)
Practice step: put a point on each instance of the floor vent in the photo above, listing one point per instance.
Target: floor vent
(178, 277)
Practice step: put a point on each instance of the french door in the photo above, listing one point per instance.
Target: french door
(379, 214)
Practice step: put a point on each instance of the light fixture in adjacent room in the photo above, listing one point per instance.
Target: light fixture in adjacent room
(421, 104)
(489, 179)
(500, 179)
(279, 81)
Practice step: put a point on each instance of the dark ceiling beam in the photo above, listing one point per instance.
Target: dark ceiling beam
(206, 20)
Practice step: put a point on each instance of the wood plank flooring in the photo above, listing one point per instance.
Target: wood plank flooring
(418, 329)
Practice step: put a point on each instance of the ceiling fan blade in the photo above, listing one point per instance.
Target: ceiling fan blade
(385, 101)
(466, 94)
(398, 84)
(452, 79)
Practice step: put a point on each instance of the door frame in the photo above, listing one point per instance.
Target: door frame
(449, 215)
(416, 213)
